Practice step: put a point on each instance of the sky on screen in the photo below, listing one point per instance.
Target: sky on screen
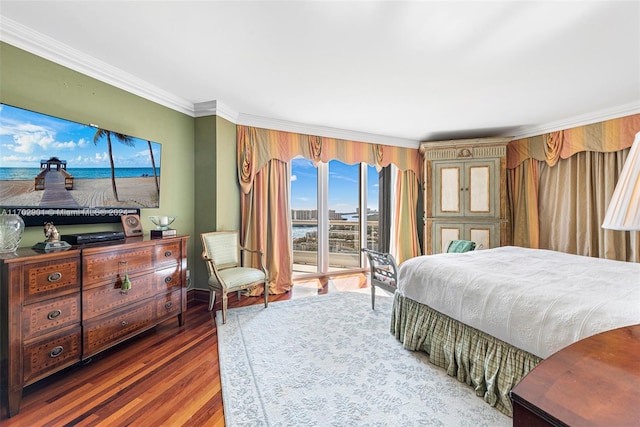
(27, 137)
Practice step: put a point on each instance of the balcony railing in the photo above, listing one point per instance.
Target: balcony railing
(344, 243)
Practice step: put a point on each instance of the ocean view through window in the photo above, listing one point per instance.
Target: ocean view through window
(345, 188)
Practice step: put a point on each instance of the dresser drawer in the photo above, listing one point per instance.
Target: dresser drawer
(51, 354)
(103, 332)
(109, 297)
(169, 304)
(46, 316)
(168, 253)
(107, 266)
(44, 279)
(169, 278)
(61, 307)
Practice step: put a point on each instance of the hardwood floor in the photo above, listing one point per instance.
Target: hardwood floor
(167, 376)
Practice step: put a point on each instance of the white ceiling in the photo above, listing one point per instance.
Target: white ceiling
(391, 71)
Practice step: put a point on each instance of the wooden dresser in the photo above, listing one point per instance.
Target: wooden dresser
(593, 382)
(60, 308)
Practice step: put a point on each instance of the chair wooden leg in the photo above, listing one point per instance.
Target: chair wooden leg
(212, 298)
(373, 297)
(266, 294)
(224, 307)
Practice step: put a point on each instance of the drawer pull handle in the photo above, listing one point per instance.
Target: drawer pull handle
(56, 351)
(167, 254)
(54, 277)
(168, 279)
(168, 305)
(52, 315)
(124, 323)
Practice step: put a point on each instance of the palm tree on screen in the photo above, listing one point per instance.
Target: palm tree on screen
(124, 139)
(153, 165)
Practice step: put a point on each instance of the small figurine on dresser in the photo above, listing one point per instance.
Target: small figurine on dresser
(52, 240)
(51, 232)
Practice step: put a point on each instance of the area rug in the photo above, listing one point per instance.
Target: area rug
(330, 360)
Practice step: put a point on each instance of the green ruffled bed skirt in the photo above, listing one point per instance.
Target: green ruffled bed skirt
(489, 365)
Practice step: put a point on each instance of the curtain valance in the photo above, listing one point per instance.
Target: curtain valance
(608, 136)
(257, 146)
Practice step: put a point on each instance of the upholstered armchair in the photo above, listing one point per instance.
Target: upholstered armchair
(222, 252)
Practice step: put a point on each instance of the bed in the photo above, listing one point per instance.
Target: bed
(490, 316)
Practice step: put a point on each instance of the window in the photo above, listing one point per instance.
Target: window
(326, 206)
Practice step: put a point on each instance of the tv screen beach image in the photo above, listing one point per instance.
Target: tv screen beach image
(47, 162)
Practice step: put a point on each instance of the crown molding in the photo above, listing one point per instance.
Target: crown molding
(581, 120)
(326, 131)
(23, 37)
(217, 108)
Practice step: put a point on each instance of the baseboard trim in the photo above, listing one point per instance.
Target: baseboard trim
(198, 295)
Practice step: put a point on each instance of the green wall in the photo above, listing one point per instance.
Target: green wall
(33, 83)
(217, 191)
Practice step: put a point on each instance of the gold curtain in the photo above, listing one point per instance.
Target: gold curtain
(573, 205)
(609, 136)
(406, 203)
(266, 221)
(522, 182)
(264, 227)
(546, 212)
(257, 146)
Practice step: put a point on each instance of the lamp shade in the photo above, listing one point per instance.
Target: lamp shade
(624, 208)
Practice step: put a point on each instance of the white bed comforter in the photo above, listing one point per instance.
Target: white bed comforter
(537, 300)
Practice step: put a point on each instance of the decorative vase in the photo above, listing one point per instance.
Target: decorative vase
(11, 229)
(162, 222)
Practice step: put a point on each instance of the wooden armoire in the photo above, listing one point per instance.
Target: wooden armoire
(465, 192)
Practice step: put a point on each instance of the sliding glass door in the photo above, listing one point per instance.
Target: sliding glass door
(344, 215)
(331, 205)
(372, 237)
(304, 216)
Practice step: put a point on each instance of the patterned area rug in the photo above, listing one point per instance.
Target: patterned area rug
(330, 360)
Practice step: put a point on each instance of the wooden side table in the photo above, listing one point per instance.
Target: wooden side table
(593, 382)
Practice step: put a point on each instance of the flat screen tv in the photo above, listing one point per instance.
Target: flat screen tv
(53, 169)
